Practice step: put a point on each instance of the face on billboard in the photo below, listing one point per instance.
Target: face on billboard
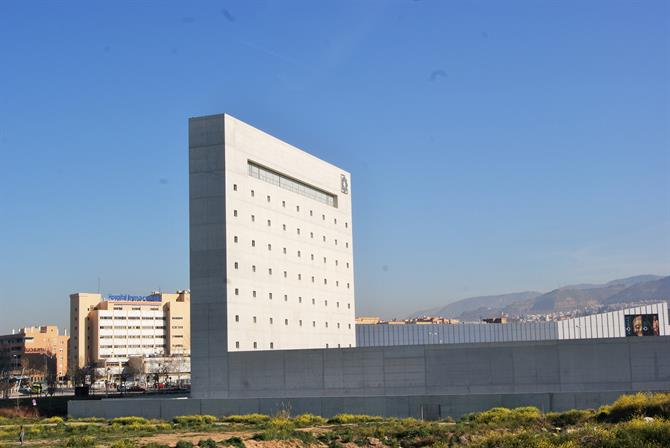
(642, 325)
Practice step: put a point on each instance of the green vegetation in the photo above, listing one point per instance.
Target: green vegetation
(639, 420)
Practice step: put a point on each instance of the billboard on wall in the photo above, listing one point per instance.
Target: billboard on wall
(641, 325)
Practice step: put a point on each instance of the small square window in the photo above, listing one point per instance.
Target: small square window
(311, 213)
(271, 321)
(350, 329)
(324, 259)
(298, 254)
(312, 279)
(299, 276)
(285, 274)
(236, 265)
(298, 230)
(337, 304)
(252, 193)
(237, 292)
(283, 203)
(269, 246)
(269, 223)
(237, 318)
(285, 298)
(346, 225)
(254, 319)
(283, 226)
(338, 325)
(253, 268)
(255, 345)
(334, 220)
(300, 322)
(269, 271)
(348, 306)
(323, 217)
(272, 345)
(311, 234)
(234, 187)
(237, 344)
(297, 208)
(235, 239)
(299, 299)
(313, 323)
(253, 293)
(284, 250)
(270, 295)
(253, 218)
(234, 212)
(326, 324)
(325, 281)
(268, 198)
(325, 302)
(253, 243)
(346, 245)
(312, 256)
(285, 321)
(324, 238)
(313, 301)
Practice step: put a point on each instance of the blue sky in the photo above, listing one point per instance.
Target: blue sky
(494, 146)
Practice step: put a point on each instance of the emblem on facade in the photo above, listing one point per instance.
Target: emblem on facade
(345, 184)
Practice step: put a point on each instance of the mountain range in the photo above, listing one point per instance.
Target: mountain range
(567, 298)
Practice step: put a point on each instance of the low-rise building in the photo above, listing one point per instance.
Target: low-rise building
(40, 353)
(107, 331)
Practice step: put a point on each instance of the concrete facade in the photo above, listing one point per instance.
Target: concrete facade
(270, 245)
(433, 380)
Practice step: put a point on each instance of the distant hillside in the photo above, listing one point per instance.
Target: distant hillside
(655, 289)
(456, 309)
(567, 298)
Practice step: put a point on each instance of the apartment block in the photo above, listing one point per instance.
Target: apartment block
(107, 331)
(39, 352)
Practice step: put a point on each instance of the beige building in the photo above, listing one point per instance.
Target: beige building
(107, 331)
(39, 352)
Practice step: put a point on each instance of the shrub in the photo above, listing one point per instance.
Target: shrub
(207, 443)
(52, 420)
(308, 420)
(249, 419)
(568, 418)
(640, 404)
(235, 442)
(125, 421)
(124, 444)
(156, 445)
(184, 444)
(192, 420)
(344, 419)
(80, 442)
(641, 433)
(517, 416)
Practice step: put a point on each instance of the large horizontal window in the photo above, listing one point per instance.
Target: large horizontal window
(296, 186)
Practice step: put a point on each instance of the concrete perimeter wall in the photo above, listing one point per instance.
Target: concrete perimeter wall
(433, 380)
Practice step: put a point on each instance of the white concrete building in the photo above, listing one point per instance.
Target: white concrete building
(273, 224)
